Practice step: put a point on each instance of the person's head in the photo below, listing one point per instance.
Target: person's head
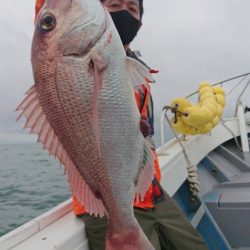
(127, 15)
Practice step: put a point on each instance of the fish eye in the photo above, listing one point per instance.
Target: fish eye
(48, 22)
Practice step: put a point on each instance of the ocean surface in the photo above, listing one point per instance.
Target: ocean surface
(31, 183)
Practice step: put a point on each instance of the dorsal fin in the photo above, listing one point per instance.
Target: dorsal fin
(38, 123)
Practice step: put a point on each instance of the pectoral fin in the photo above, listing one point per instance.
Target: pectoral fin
(99, 65)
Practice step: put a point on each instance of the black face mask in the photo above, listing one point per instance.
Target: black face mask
(126, 25)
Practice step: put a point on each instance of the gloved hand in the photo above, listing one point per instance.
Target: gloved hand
(145, 126)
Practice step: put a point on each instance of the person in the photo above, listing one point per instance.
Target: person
(161, 220)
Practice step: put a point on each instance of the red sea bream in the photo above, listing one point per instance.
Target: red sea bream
(83, 109)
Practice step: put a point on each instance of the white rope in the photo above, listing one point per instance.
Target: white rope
(194, 185)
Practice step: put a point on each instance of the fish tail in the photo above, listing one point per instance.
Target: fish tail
(131, 238)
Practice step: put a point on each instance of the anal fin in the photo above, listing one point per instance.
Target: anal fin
(146, 172)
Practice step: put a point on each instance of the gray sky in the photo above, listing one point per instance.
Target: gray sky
(188, 41)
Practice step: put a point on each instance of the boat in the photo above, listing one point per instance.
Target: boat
(220, 212)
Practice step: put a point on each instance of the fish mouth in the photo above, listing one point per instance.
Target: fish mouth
(92, 43)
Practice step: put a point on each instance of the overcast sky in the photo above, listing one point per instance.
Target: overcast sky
(188, 41)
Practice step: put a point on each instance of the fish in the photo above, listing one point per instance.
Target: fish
(83, 109)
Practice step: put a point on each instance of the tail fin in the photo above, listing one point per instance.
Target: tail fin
(131, 238)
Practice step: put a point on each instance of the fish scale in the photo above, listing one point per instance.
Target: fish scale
(80, 125)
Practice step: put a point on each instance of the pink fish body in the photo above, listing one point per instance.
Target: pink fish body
(83, 109)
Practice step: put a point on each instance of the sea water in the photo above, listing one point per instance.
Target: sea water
(31, 183)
